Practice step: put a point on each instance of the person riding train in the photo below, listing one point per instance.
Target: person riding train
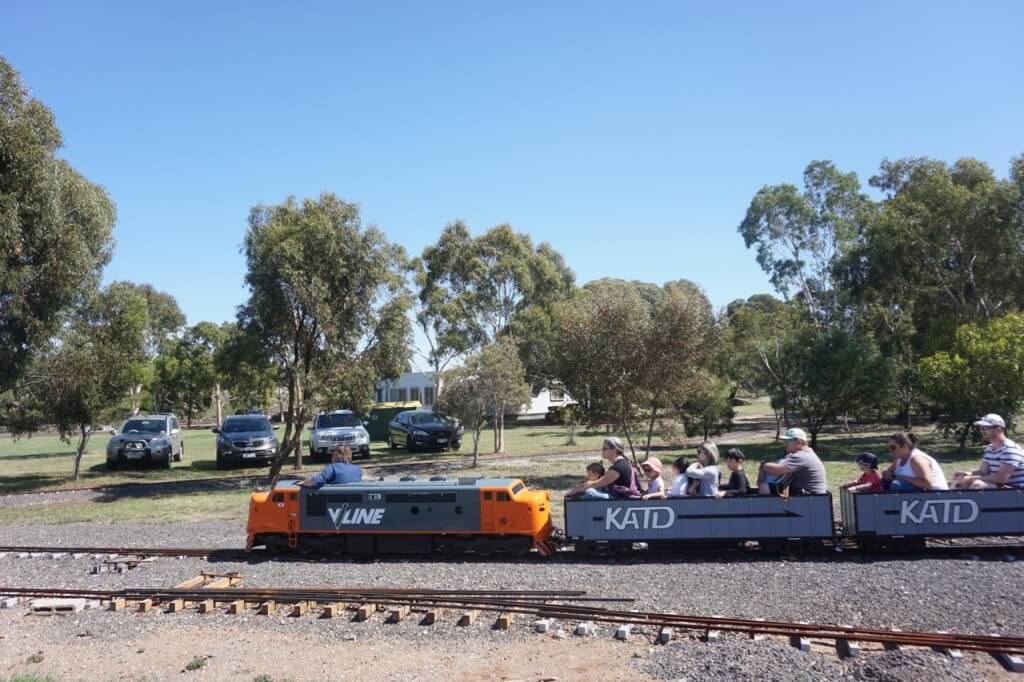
(912, 469)
(340, 470)
(618, 482)
(801, 467)
(1002, 465)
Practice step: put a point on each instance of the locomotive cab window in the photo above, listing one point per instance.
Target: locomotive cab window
(517, 488)
(487, 496)
(503, 497)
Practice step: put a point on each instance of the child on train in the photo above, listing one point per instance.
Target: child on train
(595, 470)
(652, 470)
(678, 483)
(869, 481)
(738, 483)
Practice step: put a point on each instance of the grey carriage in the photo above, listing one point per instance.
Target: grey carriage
(888, 518)
(594, 524)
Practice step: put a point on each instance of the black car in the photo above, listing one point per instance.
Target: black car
(423, 429)
(245, 439)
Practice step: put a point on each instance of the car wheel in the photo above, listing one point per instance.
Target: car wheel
(391, 442)
(166, 464)
(181, 454)
(456, 446)
(220, 462)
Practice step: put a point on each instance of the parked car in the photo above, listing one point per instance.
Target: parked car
(337, 428)
(245, 439)
(424, 429)
(151, 439)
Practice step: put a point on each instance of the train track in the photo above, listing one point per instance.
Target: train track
(555, 604)
(223, 553)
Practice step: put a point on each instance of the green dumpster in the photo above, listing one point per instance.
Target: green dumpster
(381, 415)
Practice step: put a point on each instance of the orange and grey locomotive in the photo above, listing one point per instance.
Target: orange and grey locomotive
(409, 516)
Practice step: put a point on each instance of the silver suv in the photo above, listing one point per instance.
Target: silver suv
(334, 429)
(154, 438)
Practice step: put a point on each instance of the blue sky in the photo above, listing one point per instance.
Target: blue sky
(631, 136)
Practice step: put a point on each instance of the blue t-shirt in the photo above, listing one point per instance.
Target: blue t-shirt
(338, 472)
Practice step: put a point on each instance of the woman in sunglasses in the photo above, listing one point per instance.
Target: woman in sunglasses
(912, 470)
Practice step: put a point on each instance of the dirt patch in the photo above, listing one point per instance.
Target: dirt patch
(229, 653)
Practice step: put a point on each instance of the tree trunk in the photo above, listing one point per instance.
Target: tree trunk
(814, 437)
(499, 432)
(650, 428)
(284, 449)
(297, 416)
(82, 441)
(629, 440)
(136, 395)
(963, 435)
(218, 399)
(476, 442)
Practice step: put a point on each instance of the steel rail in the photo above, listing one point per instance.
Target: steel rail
(540, 607)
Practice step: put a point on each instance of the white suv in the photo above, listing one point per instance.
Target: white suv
(334, 429)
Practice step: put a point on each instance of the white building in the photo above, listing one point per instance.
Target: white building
(420, 386)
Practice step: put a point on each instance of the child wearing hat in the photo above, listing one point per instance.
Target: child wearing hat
(869, 481)
(652, 470)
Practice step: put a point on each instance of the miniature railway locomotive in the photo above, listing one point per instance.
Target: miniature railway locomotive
(410, 516)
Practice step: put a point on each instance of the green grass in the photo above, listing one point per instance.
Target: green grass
(44, 462)
(29, 677)
(172, 508)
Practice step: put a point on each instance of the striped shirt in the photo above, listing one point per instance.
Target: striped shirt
(1008, 453)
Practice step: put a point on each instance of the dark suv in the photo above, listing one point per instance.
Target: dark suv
(154, 438)
(245, 439)
(424, 429)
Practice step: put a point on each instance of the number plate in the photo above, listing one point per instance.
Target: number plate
(135, 454)
(442, 440)
(248, 455)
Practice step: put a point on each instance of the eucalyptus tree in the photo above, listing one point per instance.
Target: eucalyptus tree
(473, 290)
(55, 228)
(322, 287)
(81, 379)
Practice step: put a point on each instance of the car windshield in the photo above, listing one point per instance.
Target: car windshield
(144, 426)
(428, 418)
(335, 421)
(242, 425)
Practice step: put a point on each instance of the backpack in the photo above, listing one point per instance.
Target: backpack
(622, 492)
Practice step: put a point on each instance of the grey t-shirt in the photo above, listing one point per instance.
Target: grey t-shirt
(808, 471)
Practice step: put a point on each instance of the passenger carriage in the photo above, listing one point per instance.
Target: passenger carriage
(797, 522)
(906, 520)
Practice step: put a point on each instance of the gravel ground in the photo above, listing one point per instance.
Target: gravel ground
(739, 659)
(911, 594)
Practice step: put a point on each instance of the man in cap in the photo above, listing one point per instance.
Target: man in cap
(801, 465)
(1002, 465)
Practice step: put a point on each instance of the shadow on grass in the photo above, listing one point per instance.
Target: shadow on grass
(37, 455)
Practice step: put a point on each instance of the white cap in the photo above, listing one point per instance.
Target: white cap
(991, 420)
(795, 434)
